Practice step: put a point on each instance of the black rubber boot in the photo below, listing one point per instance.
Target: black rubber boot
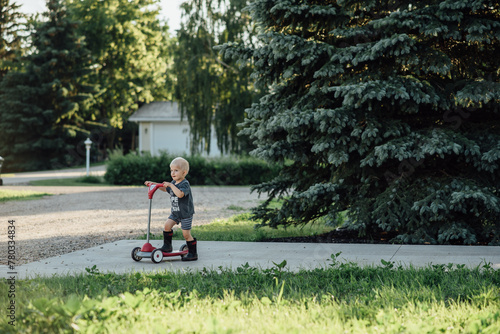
(193, 254)
(167, 242)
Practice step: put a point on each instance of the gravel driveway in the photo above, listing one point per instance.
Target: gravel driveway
(76, 218)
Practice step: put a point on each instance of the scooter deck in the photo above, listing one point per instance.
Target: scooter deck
(148, 254)
(156, 254)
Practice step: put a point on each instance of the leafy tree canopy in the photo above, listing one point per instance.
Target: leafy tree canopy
(12, 29)
(386, 109)
(90, 64)
(40, 106)
(130, 49)
(213, 93)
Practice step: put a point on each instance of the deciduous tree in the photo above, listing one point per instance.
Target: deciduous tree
(130, 48)
(12, 32)
(213, 93)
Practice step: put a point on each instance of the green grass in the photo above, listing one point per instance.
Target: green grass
(85, 181)
(241, 228)
(19, 195)
(340, 298)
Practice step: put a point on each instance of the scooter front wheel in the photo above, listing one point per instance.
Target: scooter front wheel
(157, 256)
(135, 257)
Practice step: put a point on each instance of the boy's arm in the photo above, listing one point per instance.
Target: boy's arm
(179, 193)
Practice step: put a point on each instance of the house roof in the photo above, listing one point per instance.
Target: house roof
(157, 111)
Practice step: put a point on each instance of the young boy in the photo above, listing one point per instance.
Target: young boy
(182, 207)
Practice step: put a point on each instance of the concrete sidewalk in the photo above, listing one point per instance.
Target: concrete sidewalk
(116, 257)
(25, 177)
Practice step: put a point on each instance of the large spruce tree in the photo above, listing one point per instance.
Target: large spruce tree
(386, 109)
(41, 106)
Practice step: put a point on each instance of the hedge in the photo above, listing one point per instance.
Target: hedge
(134, 169)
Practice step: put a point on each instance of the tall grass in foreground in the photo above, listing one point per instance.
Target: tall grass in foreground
(342, 297)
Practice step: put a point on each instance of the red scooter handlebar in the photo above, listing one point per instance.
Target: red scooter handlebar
(153, 188)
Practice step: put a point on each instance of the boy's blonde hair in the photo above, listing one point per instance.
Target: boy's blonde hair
(182, 163)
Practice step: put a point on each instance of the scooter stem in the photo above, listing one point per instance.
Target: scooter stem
(149, 218)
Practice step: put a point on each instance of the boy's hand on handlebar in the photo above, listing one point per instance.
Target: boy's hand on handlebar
(147, 183)
(166, 184)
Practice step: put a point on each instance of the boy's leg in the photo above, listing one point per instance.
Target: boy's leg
(167, 236)
(191, 242)
(170, 224)
(193, 252)
(187, 235)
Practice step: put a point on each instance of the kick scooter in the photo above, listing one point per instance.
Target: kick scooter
(147, 250)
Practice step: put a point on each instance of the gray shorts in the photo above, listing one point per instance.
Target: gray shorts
(186, 223)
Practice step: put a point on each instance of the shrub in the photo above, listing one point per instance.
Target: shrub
(134, 169)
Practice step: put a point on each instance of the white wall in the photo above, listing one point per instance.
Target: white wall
(145, 136)
(172, 137)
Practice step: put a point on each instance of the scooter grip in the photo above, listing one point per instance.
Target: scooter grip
(153, 188)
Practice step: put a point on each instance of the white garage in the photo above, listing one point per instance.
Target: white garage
(161, 129)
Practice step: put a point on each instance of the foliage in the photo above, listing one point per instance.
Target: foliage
(130, 46)
(11, 34)
(90, 65)
(133, 169)
(213, 93)
(387, 109)
(40, 106)
(341, 297)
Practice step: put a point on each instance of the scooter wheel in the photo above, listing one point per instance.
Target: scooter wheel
(183, 248)
(134, 254)
(157, 256)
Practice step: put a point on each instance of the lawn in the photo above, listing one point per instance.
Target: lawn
(340, 298)
(89, 181)
(18, 195)
(241, 228)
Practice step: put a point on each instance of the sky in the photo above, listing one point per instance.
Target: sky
(169, 10)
